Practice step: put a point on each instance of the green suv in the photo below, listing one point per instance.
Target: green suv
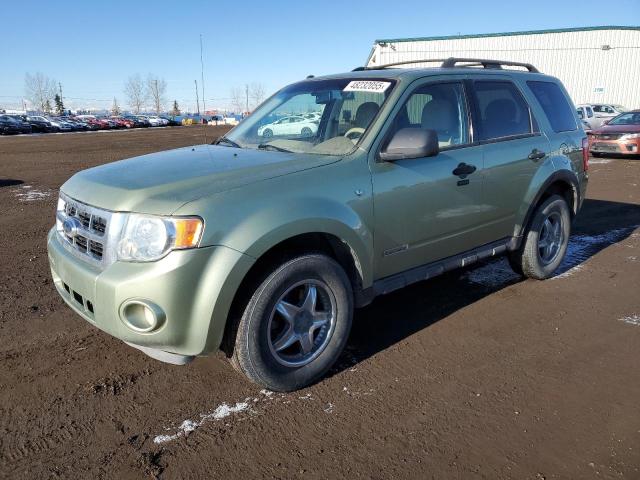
(335, 190)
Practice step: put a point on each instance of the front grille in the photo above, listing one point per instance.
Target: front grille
(609, 136)
(89, 238)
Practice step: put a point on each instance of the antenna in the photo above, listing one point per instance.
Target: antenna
(204, 108)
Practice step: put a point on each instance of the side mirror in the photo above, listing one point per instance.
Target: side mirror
(409, 143)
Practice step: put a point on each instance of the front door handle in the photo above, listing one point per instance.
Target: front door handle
(537, 154)
(464, 169)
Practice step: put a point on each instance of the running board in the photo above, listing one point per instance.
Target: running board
(430, 270)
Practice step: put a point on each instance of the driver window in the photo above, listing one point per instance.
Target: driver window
(440, 107)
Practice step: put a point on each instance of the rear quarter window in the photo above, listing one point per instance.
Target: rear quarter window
(555, 105)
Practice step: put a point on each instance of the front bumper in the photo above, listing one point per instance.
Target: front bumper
(620, 147)
(194, 288)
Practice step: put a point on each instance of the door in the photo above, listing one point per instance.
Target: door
(423, 210)
(512, 148)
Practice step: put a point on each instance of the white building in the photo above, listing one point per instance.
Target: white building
(596, 64)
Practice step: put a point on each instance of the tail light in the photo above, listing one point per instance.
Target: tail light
(585, 154)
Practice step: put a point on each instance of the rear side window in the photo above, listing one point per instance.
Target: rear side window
(555, 105)
(502, 110)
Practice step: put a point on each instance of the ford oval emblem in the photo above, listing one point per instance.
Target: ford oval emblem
(70, 227)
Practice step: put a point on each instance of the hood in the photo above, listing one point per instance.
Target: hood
(605, 129)
(159, 183)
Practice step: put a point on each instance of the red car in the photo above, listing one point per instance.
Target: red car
(122, 122)
(620, 135)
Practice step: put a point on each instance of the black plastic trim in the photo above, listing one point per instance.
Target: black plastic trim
(560, 175)
(433, 269)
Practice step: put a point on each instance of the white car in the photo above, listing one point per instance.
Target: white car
(157, 121)
(293, 125)
(596, 114)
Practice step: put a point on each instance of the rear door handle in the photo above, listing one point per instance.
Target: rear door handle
(537, 154)
(464, 169)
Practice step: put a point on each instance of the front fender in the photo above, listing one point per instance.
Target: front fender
(258, 232)
(334, 199)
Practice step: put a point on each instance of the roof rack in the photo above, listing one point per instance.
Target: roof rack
(452, 62)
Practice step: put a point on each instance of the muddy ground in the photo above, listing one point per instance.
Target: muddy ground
(476, 374)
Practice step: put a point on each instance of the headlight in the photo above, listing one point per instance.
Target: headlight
(147, 238)
(630, 136)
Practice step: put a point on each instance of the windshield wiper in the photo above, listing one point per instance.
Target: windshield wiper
(268, 146)
(228, 141)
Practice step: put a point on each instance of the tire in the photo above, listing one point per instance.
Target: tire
(306, 132)
(263, 348)
(268, 133)
(538, 258)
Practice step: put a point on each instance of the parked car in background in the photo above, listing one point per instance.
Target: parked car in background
(294, 125)
(156, 121)
(39, 124)
(171, 121)
(60, 125)
(597, 114)
(8, 125)
(620, 135)
(586, 114)
(137, 121)
(23, 126)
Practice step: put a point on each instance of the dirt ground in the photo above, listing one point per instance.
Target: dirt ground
(476, 374)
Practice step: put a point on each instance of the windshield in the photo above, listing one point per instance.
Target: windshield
(626, 119)
(326, 117)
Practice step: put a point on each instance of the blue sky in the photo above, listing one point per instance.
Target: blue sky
(92, 47)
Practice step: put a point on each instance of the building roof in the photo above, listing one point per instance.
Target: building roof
(508, 34)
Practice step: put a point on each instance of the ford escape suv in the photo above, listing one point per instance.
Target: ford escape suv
(263, 244)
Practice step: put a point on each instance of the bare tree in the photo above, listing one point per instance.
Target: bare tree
(135, 92)
(115, 108)
(156, 88)
(256, 92)
(238, 99)
(39, 89)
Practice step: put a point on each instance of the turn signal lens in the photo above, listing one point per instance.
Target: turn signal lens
(188, 232)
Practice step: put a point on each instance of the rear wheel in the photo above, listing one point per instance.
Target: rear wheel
(545, 243)
(306, 132)
(295, 325)
(268, 133)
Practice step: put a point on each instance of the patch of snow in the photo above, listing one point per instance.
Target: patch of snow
(27, 193)
(632, 320)
(582, 247)
(188, 426)
(328, 408)
(497, 273)
(593, 161)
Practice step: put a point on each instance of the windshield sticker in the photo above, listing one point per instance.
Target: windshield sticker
(366, 86)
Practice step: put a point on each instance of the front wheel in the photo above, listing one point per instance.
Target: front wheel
(295, 325)
(546, 241)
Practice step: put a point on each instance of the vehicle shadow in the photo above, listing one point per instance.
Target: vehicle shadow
(9, 182)
(394, 317)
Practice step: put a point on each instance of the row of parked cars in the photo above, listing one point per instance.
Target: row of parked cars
(16, 124)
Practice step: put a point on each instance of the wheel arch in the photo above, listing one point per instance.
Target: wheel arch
(561, 182)
(280, 251)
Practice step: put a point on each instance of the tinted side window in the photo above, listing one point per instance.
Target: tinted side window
(555, 105)
(502, 110)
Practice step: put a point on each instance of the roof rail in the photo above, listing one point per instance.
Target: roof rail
(452, 62)
(395, 64)
(476, 62)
